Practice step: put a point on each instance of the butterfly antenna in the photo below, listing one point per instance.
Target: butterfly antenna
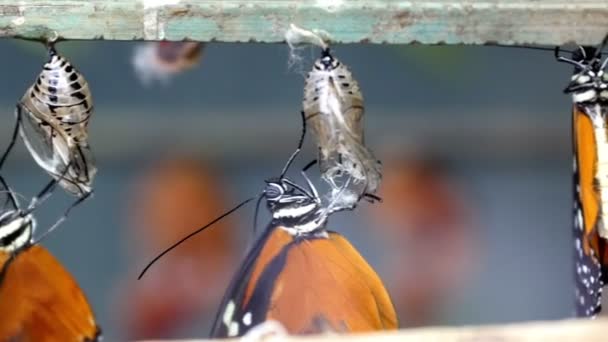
(566, 60)
(192, 234)
(300, 144)
(63, 217)
(11, 195)
(599, 49)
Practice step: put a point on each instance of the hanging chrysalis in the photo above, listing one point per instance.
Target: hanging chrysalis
(52, 118)
(333, 106)
(159, 61)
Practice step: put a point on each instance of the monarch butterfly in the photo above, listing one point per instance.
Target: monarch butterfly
(39, 299)
(298, 273)
(52, 118)
(333, 106)
(589, 89)
(161, 60)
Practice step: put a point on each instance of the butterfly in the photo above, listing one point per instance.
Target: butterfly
(589, 89)
(334, 107)
(302, 275)
(298, 273)
(39, 299)
(52, 118)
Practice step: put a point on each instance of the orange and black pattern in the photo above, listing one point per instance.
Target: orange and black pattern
(590, 107)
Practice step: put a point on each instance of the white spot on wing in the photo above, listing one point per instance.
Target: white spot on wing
(231, 327)
(247, 318)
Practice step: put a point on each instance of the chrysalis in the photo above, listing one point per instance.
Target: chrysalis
(52, 118)
(159, 61)
(333, 106)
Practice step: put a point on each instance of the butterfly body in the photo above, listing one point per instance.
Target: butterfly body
(298, 273)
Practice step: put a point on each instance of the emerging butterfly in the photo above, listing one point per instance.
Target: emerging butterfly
(52, 118)
(333, 105)
(300, 274)
(589, 89)
(39, 299)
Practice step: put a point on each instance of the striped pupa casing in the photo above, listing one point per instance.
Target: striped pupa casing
(54, 114)
(333, 106)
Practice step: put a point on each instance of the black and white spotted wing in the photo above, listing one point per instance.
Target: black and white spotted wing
(589, 274)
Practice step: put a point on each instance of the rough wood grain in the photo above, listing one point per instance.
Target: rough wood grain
(349, 21)
(555, 331)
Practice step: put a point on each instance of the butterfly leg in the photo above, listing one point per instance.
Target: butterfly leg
(47, 191)
(64, 216)
(298, 149)
(310, 184)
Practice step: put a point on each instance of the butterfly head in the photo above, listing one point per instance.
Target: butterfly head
(287, 200)
(589, 83)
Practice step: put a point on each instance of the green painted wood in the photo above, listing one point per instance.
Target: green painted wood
(547, 22)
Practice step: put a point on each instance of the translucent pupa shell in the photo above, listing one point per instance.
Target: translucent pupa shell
(53, 115)
(333, 106)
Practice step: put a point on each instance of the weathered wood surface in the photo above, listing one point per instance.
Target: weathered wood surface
(554, 331)
(348, 21)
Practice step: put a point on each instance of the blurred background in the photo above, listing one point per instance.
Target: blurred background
(475, 143)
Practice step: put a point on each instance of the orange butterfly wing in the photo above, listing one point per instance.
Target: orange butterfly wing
(328, 279)
(591, 254)
(40, 301)
(309, 284)
(586, 161)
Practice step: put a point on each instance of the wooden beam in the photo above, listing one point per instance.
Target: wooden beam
(546, 22)
(563, 331)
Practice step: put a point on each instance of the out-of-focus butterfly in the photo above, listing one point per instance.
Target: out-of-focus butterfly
(159, 61)
(589, 89)
(39, 299)
(53, 117)
(333, 106)
(299, 273)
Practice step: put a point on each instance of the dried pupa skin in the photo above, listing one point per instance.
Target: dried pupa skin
(55, 112)
(333, 106)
